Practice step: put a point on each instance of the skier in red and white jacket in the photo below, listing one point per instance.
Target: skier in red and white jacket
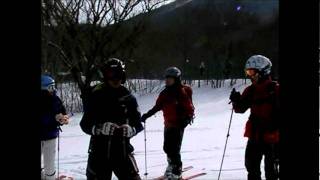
(262, 128)
(176, 103)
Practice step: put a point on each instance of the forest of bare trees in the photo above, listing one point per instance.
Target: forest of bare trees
(79, 34)
(150, 35)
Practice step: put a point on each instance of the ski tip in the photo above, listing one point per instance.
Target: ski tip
(187, 167)
(194, 176)
(64, 177)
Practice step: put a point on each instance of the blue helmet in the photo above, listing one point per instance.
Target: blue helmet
(47, 83)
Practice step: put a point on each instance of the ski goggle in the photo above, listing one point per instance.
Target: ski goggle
(51, 88)
(250, 72)
(113, 74)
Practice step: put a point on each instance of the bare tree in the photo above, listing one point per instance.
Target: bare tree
(85, 32)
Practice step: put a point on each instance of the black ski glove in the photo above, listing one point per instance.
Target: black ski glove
(144, 117)
(187, 121)
(235, 96)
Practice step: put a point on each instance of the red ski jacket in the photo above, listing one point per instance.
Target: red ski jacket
(176, 104)
(263, 100)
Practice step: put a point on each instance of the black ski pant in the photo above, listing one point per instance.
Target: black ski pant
(253, 156)
(172, 145)
(99, 167)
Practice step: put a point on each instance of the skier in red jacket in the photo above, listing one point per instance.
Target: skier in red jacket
(262, 129)
(176, 103)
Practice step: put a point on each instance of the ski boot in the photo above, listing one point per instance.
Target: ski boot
(176, 172)
(172, 176)
(173, 173)
(168, 171)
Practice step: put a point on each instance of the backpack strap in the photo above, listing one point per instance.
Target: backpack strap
(189, 93)
(179, 106)
(275, 97)
(272, 86)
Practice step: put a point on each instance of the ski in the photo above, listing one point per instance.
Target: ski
(187, 168)
(193, 176)
(64, 177)
(183, 170)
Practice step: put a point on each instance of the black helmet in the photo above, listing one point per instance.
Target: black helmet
(114, 68)
(173, 72)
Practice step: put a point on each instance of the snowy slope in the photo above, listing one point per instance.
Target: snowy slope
(202, 145)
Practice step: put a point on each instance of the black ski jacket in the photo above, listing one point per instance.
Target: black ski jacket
(106, 104)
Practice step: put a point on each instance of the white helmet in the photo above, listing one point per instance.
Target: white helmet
(173, 72)
(259, 62)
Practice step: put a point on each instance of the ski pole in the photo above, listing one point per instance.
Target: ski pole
(109, 147)
(60, 130)
(124, 139)
(275, 160)
(124, 144)
(225, 146)
(145, 150)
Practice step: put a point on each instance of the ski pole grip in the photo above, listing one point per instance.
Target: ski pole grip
(233, 90)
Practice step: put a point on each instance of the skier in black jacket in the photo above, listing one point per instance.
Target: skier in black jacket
(111, 118)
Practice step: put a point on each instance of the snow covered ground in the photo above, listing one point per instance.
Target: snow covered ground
(202, 146)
